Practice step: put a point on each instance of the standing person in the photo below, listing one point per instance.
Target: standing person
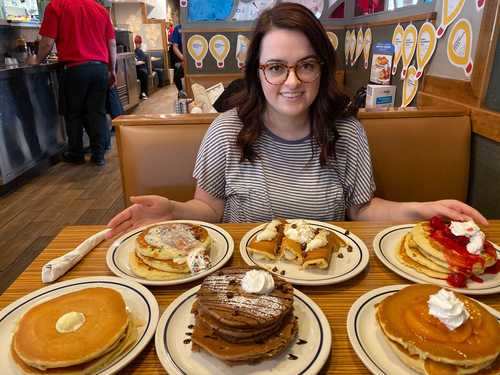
(85, 40)
(141, 66)
(292, 147)
(170, 31)
(178, 57)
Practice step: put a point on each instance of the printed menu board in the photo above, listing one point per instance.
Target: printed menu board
(21, 10)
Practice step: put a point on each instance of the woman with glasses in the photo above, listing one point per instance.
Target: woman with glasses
(291, 148)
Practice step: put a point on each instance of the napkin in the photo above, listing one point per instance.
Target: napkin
(59, 266)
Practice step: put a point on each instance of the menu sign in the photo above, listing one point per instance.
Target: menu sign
(382, 63)
(21, 10)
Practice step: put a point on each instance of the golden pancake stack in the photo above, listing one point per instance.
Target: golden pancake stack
(76, 333)
(239, 327)
(171, 251)
(296, 241)
(425, 344)
(431, 249)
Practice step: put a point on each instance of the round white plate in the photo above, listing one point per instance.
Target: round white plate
(118, 254)
(174, 350)
(340, 269)
(384, 245)
(139, 300)
(368, 340)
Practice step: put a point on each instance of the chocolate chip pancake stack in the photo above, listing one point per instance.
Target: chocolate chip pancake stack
(240, 327)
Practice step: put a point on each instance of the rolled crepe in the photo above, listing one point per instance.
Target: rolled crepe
(319, 251)
(267, 243)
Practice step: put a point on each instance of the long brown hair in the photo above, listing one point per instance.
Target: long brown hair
(329, 105)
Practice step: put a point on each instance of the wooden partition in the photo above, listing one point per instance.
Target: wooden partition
(410, 150)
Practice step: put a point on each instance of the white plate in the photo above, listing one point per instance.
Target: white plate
(177, 357)
(384, 245)
(367, 339)
(138, 300)
(340, 269)
(118, 254)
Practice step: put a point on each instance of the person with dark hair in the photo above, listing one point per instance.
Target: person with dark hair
(178, 57)
(141, 67)
(86, 45)
(291, 148)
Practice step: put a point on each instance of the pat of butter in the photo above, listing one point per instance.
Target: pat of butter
(70, 322)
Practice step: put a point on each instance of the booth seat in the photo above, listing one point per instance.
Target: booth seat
(418, 155)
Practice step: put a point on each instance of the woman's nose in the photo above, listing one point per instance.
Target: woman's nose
(292, 79)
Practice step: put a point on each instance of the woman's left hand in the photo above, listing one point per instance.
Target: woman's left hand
(450, 208)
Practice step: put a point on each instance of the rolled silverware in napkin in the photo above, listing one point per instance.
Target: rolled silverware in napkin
(59, 266)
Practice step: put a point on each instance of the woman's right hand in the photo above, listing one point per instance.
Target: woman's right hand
(146, 209)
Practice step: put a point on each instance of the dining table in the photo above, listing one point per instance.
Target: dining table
(334, 300)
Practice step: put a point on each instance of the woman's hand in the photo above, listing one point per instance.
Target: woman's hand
(449, 208)
(403, 212)
(146, 209)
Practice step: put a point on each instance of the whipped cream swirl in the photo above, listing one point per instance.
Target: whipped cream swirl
(470, 230)
(269, 232)
(445, 306)
(258, 282)
(299, 230)
(320, 240)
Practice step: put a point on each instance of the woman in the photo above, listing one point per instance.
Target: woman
(292, 147)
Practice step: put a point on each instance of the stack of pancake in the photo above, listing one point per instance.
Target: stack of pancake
(426, 345)
(77, 333)
(296, 241)
(171, 251)
(239, 327)
(421, 250)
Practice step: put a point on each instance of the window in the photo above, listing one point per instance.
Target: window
(365, 7)
(396, 4)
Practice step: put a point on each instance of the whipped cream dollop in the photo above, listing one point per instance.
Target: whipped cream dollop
(320, 240)
(445, 306)
(472, 231)
(70, 322)
(270, 231)
(299, 230)
(258, 282)
(198, 260)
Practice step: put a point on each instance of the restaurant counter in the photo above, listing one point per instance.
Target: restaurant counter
(31, 129)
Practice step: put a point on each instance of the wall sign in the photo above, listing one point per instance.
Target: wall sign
(219, 48)
(449, 11)
(409, 47)
(397, 42)
(459, 47)
(184, 3)
(197, 47)
(250, 10)
(241, 50)
(347, 43)
(410, 87)
(480, 4)
(367, 43)
(333, 39)
(352, 46)
(426, 45)
(359, 46)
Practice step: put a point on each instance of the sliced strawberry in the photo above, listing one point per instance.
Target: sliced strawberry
(457, 280)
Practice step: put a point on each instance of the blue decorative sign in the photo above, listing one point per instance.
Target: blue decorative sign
(213, 10)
